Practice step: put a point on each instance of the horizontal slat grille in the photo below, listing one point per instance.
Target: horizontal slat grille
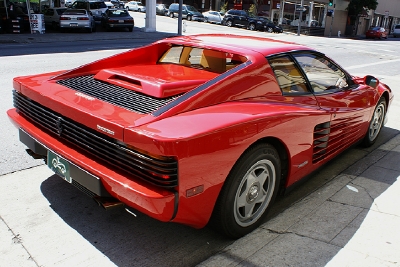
(115, 94)
(159, 171)
(332, 137)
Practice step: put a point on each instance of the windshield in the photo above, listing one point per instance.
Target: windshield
(190, 8)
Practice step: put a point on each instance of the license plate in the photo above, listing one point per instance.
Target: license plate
(120, 21)
(58, 165)
(73, 24)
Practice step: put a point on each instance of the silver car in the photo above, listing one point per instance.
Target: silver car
(77, 19)
(135, 6)
(212, 17)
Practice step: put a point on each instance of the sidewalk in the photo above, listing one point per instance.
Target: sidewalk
(351, 221)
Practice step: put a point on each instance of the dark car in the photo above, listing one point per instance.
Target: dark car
(235, 17)
(377, 32)
(263, 24)
(116, 19)
(188, 12)
(161, 9)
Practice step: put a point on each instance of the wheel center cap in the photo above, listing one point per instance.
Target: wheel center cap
(252, 194)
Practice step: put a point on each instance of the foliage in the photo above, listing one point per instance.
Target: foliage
(355, 7)
(224, 7)
(253, 9)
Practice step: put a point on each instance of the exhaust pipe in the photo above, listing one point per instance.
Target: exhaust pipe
(34, 155)
(108, 202)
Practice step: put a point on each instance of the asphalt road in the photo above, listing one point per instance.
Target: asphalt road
(61, 226)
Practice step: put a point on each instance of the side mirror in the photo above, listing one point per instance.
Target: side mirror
(371, 81)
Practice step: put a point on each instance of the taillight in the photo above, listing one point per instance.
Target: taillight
(129, 20)
(65, 18)
(112, 20)
(82, 18)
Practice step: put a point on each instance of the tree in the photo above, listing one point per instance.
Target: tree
(355, 7)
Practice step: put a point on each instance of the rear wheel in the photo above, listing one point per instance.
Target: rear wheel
(269, 29)
(171, 15)
(248, 192)
(189, 18)
(229, 23)
(376, 123)
(130, 29)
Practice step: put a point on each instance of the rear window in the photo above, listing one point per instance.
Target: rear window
(60, 11)
(204, 59)
(75, 12)
(118, 13)
(97, 5)
(397, 26)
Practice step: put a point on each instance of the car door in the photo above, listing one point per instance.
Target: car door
(348, 103)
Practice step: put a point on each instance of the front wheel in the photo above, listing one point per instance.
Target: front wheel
(270, 30)
(189, 18)
(248, 192)
(229, 23)
(252, 27)
(171, 15)
(376, 123)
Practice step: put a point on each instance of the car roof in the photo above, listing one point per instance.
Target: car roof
(265, 46)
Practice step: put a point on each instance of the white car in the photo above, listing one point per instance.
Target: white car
(77, 19)
(135, 6)
(396, 31)
(212, 17)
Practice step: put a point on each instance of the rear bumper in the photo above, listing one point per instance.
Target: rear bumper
(151, 200)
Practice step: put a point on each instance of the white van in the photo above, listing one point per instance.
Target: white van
(97, 7)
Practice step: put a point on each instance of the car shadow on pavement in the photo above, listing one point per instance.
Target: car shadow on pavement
(303, 221)
(312, 223)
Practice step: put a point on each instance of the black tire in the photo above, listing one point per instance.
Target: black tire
(229, 23)
(376, 123)
(205, 19)
(130, 29)
(171, 15)
(139, 10)
(270, 30)
(127, 8)
(252, 27)
(189, 18)
(248, 192)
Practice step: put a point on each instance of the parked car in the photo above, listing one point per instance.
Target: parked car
(213, 17)
(96, 7)
(396, 31)
(52, 17)
(118, 3)
(161, 9)
(117, 19)
(135, 6)
(188, 12)
(235, 17)
(77, 19)
(377, 32)
(263, 24)
(198, 129)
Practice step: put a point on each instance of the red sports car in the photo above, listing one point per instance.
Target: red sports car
(197, 129)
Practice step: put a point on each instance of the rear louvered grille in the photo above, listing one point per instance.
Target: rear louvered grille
(321, 138)
(115, 94)
(159, 171)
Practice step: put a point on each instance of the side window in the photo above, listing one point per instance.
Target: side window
(322, 73)
(288, 75)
